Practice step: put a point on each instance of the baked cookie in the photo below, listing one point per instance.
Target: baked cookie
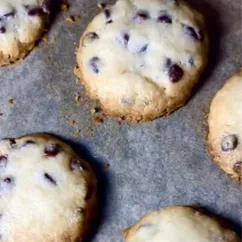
(22, 23)
(141, 58)
(179, 224)
(47, 192)
(225, 127)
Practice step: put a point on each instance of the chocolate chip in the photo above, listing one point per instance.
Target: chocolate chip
(141, 16)
(2, 30)
(143, 49)
(229, 143)
(7, 15)
(191, 61)
(126, 39)
(52, 150)
(8, 180)
(194, 34)
(165, 19)
(3, 162)
(50, 179)
(80, 210)
(89, 192)
(107, 13)
(7, 184)
(175, 73)
(35, 11)
(238, 168)
(89, 38)
(95, 64)
(77, 165)
(168, 63)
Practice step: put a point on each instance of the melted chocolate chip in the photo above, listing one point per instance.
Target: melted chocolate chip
(89, 38)
(3, 162)
(175, 73)
(141, 16)
(95, 64)
(194, 34)
(2, 30)
(77, 165)
(50, 179)
(109, 22)
(35, 11)
(52, 150)
(229, 143)
(7, 15)
(165, 19)
(238, 168)
(143, 49)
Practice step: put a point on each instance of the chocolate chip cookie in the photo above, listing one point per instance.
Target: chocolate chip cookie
(179, 224)
(22, 23)
(225, 127)
(47, 192)
(141, 58)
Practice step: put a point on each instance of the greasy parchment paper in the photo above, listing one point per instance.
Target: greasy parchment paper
(154, 164)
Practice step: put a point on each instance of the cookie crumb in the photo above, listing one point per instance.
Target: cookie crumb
(77, 132)
(70, 19)
(10, 101)
(93, 111)
(77, 97)
(73, 123)
(98, 120)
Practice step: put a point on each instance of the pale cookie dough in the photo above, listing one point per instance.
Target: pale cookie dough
(47, 192)
(179, 224)
(22, 23)
(141, 58)
(225, 127)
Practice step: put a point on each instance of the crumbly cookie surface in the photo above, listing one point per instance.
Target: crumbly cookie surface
(47, 192)
(22, 23)
(225, 127)
(142, 58)
(179, 224)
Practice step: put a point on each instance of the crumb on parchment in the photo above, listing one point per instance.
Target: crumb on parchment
(98, 120)
(70, 19)
(11, 101)
(77, 132)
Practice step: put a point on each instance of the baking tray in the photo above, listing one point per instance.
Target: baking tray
(142, 166)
